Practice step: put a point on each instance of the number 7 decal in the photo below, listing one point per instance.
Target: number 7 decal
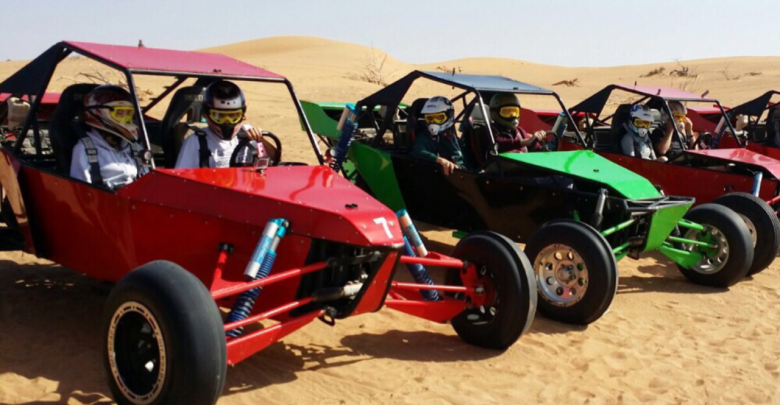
(382, 221)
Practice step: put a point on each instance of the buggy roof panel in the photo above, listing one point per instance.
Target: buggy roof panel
(393, 93)
(142, 59)
(596, 102)
(30, 78)
(756, 106)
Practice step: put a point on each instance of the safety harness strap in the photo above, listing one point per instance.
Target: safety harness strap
(92, 158)
(204, 152)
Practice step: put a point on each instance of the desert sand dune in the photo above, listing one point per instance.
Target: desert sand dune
(664, 341)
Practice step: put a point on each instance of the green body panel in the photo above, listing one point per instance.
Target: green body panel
(662, 224)
(376, 167)
(589, 165)
(320, 123)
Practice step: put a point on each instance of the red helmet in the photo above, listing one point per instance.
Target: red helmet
(224, 105)
(108, 108)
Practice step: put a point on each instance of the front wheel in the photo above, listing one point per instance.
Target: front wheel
(729, 252)
(505, 274)
(762, 223)
(576, 272)
(164, 341)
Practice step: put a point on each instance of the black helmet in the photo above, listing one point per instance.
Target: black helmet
(505, 101)
(224, 105)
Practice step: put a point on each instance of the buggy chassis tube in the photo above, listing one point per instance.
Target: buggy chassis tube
(439, 311)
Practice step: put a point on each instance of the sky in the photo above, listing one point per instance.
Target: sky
(557, 32)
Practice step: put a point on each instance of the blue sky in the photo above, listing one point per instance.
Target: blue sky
(568, 33)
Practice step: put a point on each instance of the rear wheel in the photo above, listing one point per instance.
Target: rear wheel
(506, 276)
(575, 270)
(164, 341)
(762, 223)
(730, 256)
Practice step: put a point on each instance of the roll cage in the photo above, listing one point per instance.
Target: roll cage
(593, 107)
(34, 78)
(479, 86)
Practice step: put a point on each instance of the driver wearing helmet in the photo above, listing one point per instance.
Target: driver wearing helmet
(505, 125)
(440, 144)
(636, 140)
(666, 143)
(108, 153)
(225, 108)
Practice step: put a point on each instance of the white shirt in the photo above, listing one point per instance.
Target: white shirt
(221, 151)
(118, 167)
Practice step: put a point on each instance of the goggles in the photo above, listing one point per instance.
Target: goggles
(640, 123)
(226, 116)
(123, 114)
(679, 117)
(509, 112)
(437, 118)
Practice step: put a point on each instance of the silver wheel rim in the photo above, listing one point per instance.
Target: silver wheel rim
(714, 261)
(752, 228)
(561, 275)
(155, 334)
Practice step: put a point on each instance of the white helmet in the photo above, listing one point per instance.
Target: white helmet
(640, 119)
(438, 114)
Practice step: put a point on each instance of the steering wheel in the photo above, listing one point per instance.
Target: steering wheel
(549, 143)
(245, 143)
(703, 142)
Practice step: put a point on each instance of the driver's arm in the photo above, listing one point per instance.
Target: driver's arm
(423, 148)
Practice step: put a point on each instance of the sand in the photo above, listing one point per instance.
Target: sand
(664, 341)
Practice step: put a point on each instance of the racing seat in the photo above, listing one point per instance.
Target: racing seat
(65, 127)
(414, 120)
(610, 141)
(186, 101)
(771, 127)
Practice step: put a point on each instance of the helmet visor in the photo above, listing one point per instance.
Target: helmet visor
(226, 116)
(509, 112)
(640, 123)
(437, 118)
(122, 114)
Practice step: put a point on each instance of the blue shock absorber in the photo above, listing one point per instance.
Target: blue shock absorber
(408, 228)
(348, 129)
(419, 273)
(266, 253)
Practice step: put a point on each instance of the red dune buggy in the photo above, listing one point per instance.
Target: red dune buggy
(285, 244)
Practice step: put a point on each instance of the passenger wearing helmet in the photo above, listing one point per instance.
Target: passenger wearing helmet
(505, 125)
(108, 153)
(636, 140)
(440, 144)
(225, 108)
(666, 143)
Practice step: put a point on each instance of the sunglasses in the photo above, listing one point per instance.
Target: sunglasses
(226, 116)
(438, 118)
(509, 112)
(640, 123)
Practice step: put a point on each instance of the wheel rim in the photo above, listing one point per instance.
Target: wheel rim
(136, 353)
(752, 228)
(713, 259)
(561, 275)
(480, 315)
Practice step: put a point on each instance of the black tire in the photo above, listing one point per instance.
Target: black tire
(511, 277)
(763, 221)
(732, 268)
(597, 258)
(189, 330)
